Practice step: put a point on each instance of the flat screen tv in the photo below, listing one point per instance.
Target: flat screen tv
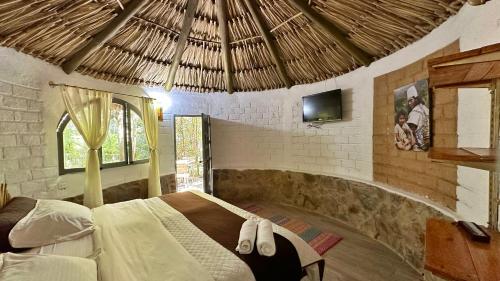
(322, 107)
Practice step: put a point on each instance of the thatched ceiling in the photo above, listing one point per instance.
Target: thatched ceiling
(144, 48)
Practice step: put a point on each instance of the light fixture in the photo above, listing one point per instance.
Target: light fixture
(162, 100)
(159, 113)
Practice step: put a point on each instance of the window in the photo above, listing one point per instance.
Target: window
(125, 142)
(139, 143)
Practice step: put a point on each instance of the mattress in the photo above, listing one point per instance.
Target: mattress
(190, 232)
(153, 240)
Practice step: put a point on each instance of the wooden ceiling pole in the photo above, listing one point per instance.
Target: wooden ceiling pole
(224, 38)
(361, 56)
(268, 39)
(181, 42)
(103, 36)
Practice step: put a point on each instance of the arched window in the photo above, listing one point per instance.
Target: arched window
(125, 142)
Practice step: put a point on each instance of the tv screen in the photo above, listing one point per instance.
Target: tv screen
(323, 107)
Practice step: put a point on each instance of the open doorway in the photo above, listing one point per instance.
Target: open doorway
(192, 152)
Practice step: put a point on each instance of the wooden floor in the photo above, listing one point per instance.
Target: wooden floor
(357, 257)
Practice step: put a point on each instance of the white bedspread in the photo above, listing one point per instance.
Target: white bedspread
(222, 264)
(135, 246)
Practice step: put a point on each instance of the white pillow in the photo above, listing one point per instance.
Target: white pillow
(50, 222)
(82, 247)
(27, 267)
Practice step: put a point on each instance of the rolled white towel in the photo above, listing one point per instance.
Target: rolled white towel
(248, 233)
(265, 239)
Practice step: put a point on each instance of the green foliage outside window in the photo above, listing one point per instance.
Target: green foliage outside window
(188, 132)
(140, 148)
(113, 148)
(74, 149)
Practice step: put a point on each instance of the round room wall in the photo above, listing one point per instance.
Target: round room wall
(259, 137)
(264, 130)
(263, 151)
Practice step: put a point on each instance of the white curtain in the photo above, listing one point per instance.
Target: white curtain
(151, 127)
(90, 112)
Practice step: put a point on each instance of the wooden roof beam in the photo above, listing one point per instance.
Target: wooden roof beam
(268, 39)
(224, 38)
(359, 55)
(181, 42)
(103, 36)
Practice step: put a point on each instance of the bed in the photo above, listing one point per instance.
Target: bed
(180, 236)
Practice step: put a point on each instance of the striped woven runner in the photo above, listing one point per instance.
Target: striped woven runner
(317, 239)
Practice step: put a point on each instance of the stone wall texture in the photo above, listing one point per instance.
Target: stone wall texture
(414, 171)
(392, 219)
(23, 164)
(130, 190)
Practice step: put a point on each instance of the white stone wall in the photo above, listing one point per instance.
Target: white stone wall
(22, 141)
(265, 130)
(338, 148)
(248, 131)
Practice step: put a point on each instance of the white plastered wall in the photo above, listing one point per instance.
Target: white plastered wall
(473, 131)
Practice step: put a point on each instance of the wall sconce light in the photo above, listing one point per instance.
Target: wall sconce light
(162, 101)
(159, 113)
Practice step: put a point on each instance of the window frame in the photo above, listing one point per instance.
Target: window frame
(127, 128)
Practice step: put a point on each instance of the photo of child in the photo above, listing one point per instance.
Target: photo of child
(403, 136)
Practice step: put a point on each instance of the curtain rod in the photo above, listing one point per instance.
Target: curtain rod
(52, 85)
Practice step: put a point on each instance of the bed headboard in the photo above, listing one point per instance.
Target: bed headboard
(4, 195)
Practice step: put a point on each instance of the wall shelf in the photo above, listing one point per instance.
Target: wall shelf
(475, 68)
(451, 255)
(478, 68)
(479, 158)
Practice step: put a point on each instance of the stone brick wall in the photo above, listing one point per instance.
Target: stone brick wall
(414, 171)
(131, 190)
(395, 220)
(22, 141)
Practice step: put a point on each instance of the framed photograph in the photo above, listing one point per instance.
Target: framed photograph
(412, 130)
